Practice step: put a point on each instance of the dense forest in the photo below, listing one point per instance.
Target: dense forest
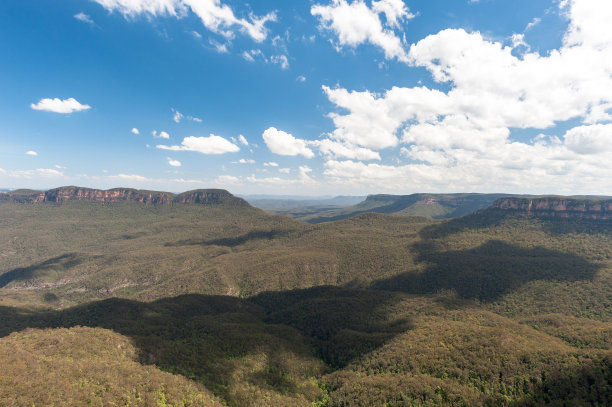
(128, 303)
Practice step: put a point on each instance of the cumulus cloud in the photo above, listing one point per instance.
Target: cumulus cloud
(282, 143)
(355, 23)
(205, 145)
(595, 139)
(32, 153)
(161, 134)
(271, 164)
(84, 18)
(57, 105)
(215, 16)
(301, 78)
(173, 163)
(135, 131)
(243, 140)
(341, 150)
(464, 136)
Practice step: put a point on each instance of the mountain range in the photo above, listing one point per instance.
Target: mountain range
(201, 299)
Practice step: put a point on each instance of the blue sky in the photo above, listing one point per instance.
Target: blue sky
(307, 97)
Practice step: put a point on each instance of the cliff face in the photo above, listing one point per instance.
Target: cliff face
(556, 207)
(62, 194)
(96, 195)
(210, 197)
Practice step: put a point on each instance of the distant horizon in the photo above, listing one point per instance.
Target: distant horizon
(321, 97)
(311, 197)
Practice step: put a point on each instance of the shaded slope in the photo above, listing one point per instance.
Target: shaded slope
(377, 347)
(437, 206)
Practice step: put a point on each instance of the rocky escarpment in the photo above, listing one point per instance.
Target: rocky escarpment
(210, 197)
(96, 195)
(559, 207)
(71, 193)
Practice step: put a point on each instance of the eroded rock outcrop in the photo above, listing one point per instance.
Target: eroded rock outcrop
(560, 207)
(71, 193)
(97, 195)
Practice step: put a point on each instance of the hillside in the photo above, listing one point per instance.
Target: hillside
(243, 307)
(301, 207)
(71, 193)
(436, 206)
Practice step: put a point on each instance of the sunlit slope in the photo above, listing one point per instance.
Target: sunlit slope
(87, 366)
(55, 255)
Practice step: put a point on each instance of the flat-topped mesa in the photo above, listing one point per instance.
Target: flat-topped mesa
(560, 207)
(210, 197)
(62, 194)
(97, 195)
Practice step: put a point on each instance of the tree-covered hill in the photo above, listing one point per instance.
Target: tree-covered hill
(228, 304)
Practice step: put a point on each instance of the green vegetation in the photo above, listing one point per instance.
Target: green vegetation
(188, 304)
(436, 206)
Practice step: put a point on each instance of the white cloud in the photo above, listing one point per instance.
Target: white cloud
(271, 164)
(355, 23)
(284, 170)
(39, 172)
(178, 116)
(219, 47)
(196, 35)
(131, 8)
(301, 78)
(303, 180)
(220, 19)
(280, 60)
(84, 18)
(227, 180)
(244, 161)
(463, 138)
(247, 56)
(205, 145)
(243, 140)
(372, 121)
(217, 17)
(32, 153)
(173, 163)
(282, 143)
(162, 134)
(533, 23)
(129, 177)
(304, 170)
(594, 139)
(135, 131)
(340, 150)
(57, 105)
(394, 11)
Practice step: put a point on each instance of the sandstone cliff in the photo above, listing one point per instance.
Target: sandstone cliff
(560, 207)
(71, 193)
